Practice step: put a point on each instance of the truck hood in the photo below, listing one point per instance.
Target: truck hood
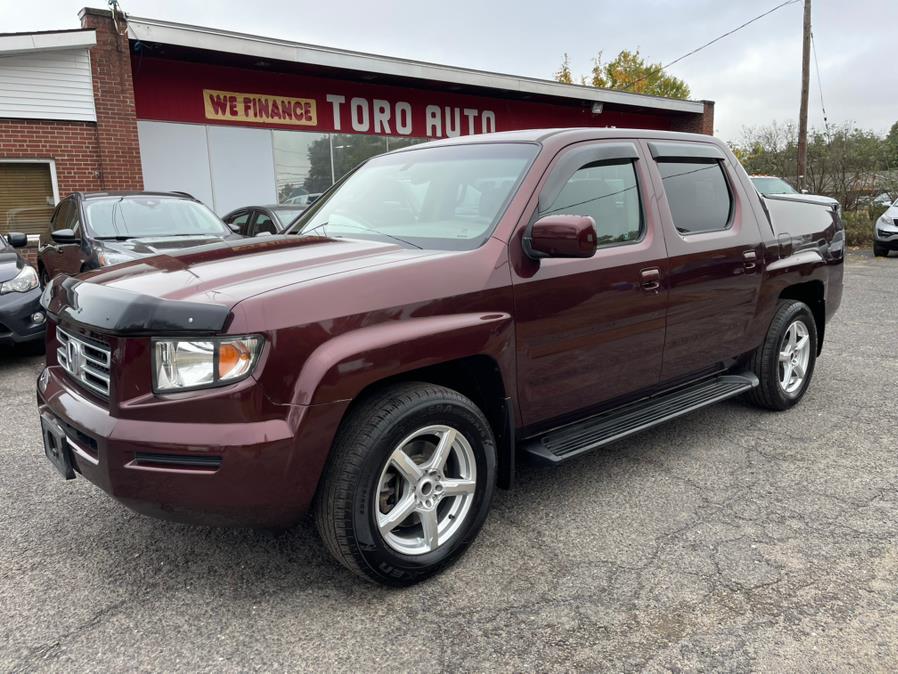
(228, 272)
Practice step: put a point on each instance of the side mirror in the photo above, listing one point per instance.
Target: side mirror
(64, 236)
(233, 227)
(17, 239)
(562, 236)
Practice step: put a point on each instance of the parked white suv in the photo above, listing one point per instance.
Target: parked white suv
(885, 231)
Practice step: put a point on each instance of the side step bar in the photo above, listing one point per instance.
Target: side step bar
(564, 443)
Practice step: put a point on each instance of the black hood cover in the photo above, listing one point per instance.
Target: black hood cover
(118, 311)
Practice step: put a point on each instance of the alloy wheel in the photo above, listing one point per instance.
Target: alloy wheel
(794, 356)
(425, 490)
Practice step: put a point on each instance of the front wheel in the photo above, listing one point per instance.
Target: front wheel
(880, 251)
(784, 363)
(408, 485)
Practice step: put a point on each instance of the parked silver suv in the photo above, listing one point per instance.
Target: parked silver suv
(885, 231)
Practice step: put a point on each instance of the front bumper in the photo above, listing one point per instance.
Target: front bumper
(16, 310)
(247, 473)
(886, 238)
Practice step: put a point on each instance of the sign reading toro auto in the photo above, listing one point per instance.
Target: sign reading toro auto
(213, 94)
(361, 115)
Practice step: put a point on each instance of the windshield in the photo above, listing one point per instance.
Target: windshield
(138, 217)
(447, 198)
(773, 186)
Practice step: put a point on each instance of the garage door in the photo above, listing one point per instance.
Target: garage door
(27, 197)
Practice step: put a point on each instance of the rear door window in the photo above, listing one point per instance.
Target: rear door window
(264, 224)
(240, 220)
(698, 195)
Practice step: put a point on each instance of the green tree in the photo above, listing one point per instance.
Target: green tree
(628, 71)
(844, 162)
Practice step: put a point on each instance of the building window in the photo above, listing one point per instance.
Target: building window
(302, 163)
(306, 164)
(698, 195)
(28, 195)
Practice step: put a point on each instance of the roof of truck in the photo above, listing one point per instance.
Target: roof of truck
(566, 135)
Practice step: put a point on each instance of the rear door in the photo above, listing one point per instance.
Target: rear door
(591, 330)
(716, 256)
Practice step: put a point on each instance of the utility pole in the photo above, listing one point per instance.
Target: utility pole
(803, 110)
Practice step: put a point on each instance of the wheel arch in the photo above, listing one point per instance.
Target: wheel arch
(812, 293)
(472, 354)
(476, 377)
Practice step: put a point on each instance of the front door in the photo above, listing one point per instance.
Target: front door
(716, 257)
(64, 258)
(592, 330)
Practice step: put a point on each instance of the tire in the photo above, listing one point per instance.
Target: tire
(363, 483)
(766, 361)
(43, 277)
(880, 251)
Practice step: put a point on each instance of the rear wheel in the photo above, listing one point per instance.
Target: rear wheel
(408, 485)
(784, 363)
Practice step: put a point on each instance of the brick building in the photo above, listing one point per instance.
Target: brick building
(237, 119)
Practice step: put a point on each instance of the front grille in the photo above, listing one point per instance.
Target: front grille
(87, 362)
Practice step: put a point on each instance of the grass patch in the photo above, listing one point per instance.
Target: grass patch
(859, 225)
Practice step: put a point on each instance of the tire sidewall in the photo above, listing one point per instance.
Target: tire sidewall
(796, 311)
(385, 562)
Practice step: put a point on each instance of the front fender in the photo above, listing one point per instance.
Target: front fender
(340, 368)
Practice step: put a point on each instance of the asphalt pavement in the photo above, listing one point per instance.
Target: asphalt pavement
(729, 540)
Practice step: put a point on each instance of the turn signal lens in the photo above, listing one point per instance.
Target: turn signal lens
(235, 358)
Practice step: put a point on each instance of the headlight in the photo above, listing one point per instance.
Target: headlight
(181, 365)
(106, 258)
(24, 281)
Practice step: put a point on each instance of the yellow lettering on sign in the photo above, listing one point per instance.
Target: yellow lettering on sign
(259, 108)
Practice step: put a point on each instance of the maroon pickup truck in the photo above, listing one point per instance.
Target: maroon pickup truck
(441, 312)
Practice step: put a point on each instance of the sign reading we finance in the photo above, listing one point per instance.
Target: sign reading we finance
(259, 108)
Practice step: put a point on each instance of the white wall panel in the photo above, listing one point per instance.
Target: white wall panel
(176, 157)
(242, 167)
(47, 85)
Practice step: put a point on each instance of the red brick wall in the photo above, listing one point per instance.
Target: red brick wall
(72, 146)
(703, 123)
(110, 62)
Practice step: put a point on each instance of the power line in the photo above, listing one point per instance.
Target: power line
(716, 39)
(820, 87)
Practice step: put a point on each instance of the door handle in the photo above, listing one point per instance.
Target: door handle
(750, 258)
(650, 279)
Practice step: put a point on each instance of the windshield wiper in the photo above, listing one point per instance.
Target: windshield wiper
(364, 228)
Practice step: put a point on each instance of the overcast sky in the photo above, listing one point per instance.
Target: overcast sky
(753, 75)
